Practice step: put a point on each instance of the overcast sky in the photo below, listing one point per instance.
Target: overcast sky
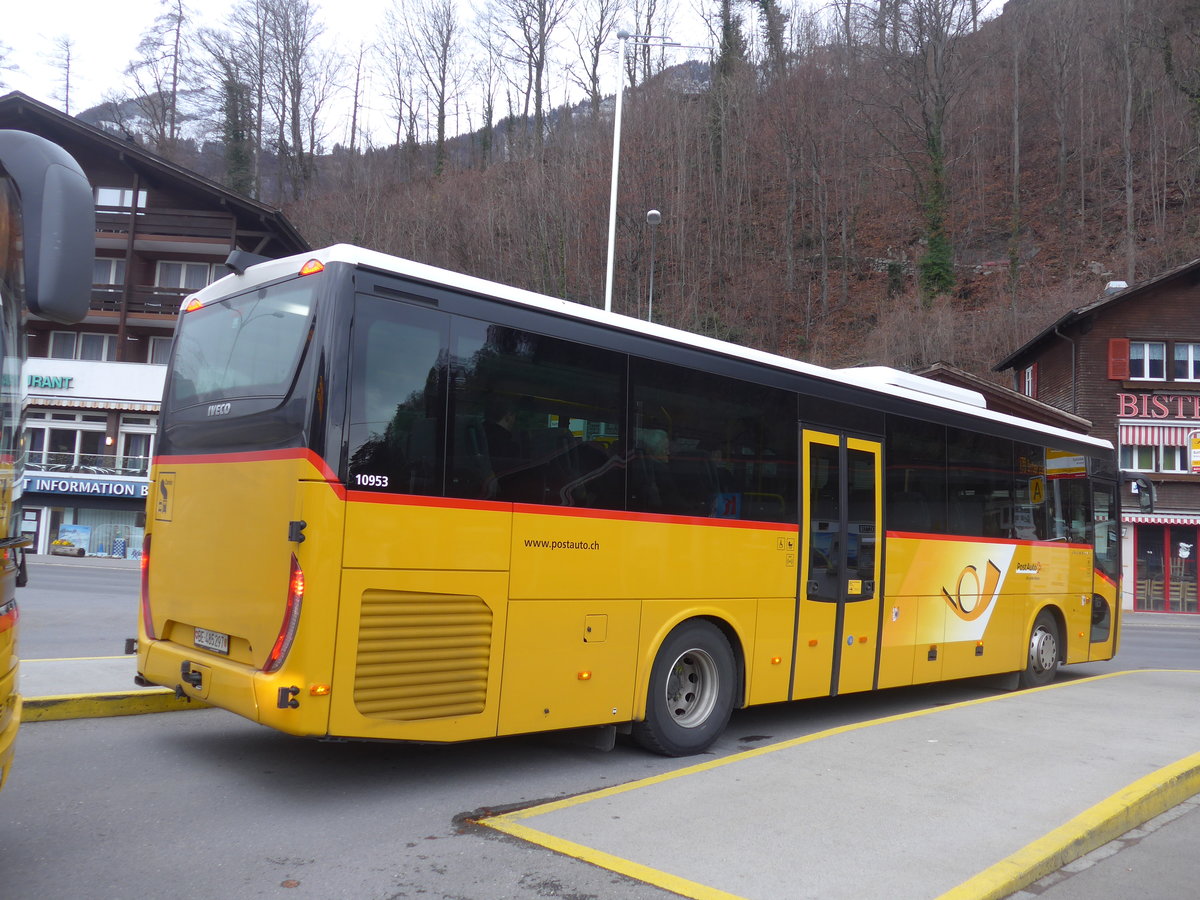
(106, 35)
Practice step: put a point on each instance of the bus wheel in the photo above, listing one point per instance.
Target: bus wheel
(1042, 664)
(691, 691)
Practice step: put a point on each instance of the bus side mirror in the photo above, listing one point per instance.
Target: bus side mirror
(1146, 494)
(59, 223)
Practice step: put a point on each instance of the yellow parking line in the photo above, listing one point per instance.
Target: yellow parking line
(1128, 808)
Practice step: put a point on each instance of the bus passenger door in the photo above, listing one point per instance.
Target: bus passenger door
(839, 603)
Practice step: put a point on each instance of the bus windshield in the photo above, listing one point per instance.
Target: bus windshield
(248, 345)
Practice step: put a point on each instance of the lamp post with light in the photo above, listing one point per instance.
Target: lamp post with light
(639, 40)
(653, 217)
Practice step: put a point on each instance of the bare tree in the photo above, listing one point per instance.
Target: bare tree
(530, 26)
(62, 57)
(432, 35)
(593, 30)
(155, 74)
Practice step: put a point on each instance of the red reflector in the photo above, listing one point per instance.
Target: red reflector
(147, 618)
(291, 619)
(312, 267)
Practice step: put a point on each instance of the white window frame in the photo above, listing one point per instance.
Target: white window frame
(1145, 360)
(60, 336)
(76, 338)
(1130, 454)
(1028, 380)
(113, 264)
(1177, 458)
(109, 197)
(184, 266)
(1192, 360)
(156, 342)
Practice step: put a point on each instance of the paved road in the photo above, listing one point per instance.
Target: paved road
(88, 607)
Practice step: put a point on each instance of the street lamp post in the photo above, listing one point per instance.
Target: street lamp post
(640, 40)
(653, 217)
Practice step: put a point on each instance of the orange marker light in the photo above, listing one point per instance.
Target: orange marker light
(320, 690)
(312, 267)
(584, 676)
(813, 642)
(863, 639)
(776, 660)
(192, 304)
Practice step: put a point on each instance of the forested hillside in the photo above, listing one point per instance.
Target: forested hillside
(886, 181)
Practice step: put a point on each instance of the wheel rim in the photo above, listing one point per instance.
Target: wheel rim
(1043, 650)
(692, 688)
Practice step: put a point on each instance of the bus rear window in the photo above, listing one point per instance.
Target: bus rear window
(243, 346)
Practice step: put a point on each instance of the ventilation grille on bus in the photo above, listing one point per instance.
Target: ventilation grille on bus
(422, 656)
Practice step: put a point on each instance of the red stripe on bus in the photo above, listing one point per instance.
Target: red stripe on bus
(1109, 581)
(293, 453)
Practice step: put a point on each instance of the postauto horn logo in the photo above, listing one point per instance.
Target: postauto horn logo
(972, 595)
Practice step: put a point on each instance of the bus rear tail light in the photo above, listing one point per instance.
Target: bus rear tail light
(291, 619)
(147, 618)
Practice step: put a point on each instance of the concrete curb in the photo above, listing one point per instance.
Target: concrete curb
(94, 706)
(1125, 810)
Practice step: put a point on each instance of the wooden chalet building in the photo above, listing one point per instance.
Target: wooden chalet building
(1130, 363)
(93, 390)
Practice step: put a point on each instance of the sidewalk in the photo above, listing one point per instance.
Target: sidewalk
(964, 802)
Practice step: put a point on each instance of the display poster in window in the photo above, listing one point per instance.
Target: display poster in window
(1194, 441)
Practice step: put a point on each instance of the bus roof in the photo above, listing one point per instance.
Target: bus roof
(875, 379)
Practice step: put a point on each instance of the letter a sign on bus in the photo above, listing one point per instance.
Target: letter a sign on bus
(1194, 440)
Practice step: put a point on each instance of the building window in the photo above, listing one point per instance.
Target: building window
(1175, 459)
(189, 276)
(1029, 381)
(69, 442)
(119, 198)
(1147, 360)
(1137, 458)
(1152, 458)
(160, 350)
(62, 345)
(69, 345)
(1187, 362)
(108, 271)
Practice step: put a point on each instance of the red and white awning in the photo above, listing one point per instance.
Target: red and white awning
(1157, 435)
(1161, 518)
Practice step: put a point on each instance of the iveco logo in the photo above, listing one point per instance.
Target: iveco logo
(219, 409)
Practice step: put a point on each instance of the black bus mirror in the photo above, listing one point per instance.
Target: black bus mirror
(59, 222)
(1144, 488)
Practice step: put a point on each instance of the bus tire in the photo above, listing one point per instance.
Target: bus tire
(1042, 664)
(691, 691)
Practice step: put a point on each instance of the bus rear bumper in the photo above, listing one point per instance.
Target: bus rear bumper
(230, 685)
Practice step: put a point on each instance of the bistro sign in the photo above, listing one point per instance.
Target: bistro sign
(1158, 406)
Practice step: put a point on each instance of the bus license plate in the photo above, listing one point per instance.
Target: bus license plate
(212, 640)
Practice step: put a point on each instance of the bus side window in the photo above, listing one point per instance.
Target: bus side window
(397, 401)
(730, 445)
(915, 489)
(549, 410)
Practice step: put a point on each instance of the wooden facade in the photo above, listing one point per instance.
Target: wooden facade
(1130, 363)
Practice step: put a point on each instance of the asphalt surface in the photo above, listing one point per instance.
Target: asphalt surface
(1083, 788)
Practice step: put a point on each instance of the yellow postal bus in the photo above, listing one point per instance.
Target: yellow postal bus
(392, 502)
(47, 235)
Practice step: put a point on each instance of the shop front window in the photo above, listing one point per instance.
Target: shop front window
(1166, 568)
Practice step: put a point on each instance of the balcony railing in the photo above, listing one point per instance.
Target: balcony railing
(174, 222)
(88, 464)
(143, 301)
